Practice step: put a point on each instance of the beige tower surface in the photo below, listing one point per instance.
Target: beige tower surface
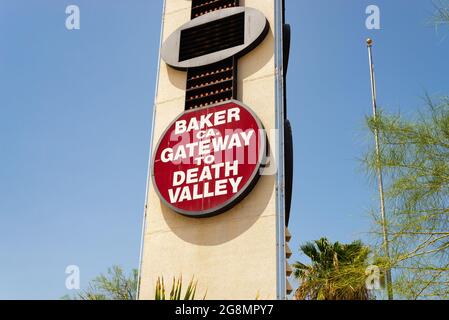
(233, 255)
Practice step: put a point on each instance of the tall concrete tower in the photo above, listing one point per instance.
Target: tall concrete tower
(220, 174)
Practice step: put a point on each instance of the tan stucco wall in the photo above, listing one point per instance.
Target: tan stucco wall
(233, 256)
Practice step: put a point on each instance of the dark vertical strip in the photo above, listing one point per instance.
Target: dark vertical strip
(235, 70)
(288, 134)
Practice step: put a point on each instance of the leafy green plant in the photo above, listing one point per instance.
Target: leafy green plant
(415, 162)
(114, 285)
(441, 15)
(176, 290)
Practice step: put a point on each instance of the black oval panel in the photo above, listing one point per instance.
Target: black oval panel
(214, 37)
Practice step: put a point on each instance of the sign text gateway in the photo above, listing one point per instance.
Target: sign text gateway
(209, 159)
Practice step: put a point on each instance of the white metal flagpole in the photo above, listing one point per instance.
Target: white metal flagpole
(386, 245)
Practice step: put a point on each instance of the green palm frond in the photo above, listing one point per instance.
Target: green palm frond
(336, 271)
(176, 290)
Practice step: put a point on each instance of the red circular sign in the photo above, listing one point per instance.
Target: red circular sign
(209, 159)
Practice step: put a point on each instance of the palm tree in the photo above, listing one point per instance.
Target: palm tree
(336, 272)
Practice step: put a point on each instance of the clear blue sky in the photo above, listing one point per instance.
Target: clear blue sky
(75, 121)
